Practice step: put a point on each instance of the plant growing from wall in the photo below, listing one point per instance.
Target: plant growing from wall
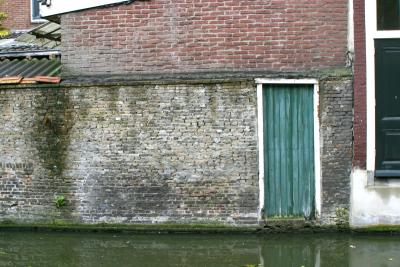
(342, 217)
(60, 201)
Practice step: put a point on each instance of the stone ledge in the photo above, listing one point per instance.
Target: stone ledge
(272, 228)
(200, 77)
(132, 228)
(306, 227)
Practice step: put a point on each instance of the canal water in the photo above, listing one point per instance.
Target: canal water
(297, 250)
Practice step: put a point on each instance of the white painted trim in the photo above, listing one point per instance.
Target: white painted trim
(31, 12)
(317, 141)
(317, 153)
(350, 27)
(62, 6)
(386, 34)
(38, 20)
(370, 29)
(286, 81)
(260, 124)
(372, 33)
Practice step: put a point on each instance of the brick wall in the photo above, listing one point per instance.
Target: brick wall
(192, 35)
(130, 154)
(360, 113)
(155, 152)
(19, 14)
(336, 107)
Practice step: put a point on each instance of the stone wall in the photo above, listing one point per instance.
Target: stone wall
(130, 153)
(154, 152)
(336, 108)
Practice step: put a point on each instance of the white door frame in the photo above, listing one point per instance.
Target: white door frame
(372, 33)
(260, 122)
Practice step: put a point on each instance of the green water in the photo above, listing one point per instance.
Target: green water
(81, 249)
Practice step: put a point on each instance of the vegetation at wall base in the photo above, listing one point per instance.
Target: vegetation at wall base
(60, 201)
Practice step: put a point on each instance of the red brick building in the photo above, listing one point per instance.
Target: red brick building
(22, 14)
(182, 36)
(187, 111)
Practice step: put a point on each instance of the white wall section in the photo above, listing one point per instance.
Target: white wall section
(57, 7)
(374, 204)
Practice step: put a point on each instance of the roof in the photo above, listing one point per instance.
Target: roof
(29, 71)
(12, 35)
(30, 68)
(31, 57)
(14, 48)
(46, 35)
(40, 41)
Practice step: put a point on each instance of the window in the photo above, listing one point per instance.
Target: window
(35, 14)
(388, 15)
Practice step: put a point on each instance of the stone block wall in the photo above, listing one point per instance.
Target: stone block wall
(176, 152)
(130, 154)
(336, 115)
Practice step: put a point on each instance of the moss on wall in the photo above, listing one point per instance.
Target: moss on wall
(53, 123)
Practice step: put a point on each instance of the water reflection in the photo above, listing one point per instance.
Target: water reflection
(71, 249)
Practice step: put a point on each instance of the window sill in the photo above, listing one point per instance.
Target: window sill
(39, 20)
(382, 182)
(387, 174)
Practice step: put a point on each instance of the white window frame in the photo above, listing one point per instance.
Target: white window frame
(372, 33)
(33, 20)
(317, 150)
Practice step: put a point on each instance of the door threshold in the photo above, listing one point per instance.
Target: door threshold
(288, 219)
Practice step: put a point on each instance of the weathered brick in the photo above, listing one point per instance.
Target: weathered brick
(184, 152)
(336, 102)
(188, 35)
(130, 154)
(19, 14)
(360, 117)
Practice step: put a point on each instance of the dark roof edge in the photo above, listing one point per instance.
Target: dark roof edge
(185, 78)
(200, 77)
(30, 54)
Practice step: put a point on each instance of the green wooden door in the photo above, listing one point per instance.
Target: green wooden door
(387, 94)
(288, 151)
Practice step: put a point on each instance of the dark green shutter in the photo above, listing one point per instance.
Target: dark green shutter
(289, 150)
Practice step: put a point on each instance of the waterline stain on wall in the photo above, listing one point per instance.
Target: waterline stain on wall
(53, 122)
